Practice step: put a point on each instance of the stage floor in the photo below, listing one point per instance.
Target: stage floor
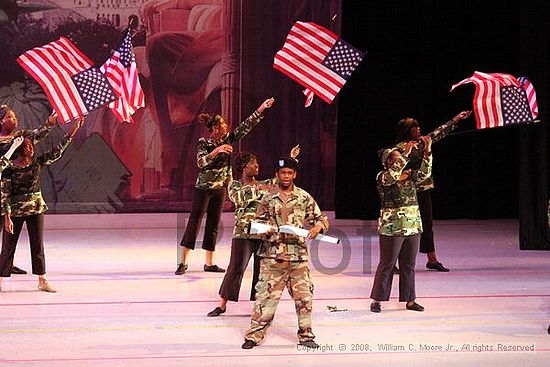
(120, 304)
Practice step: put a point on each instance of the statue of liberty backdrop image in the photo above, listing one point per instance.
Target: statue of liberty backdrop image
(193, 57)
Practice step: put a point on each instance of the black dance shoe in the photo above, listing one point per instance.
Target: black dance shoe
(375, 307)
(181, 269)
(16, 270)
(216, 312)
(436, 266)
(414, 307)
(213, 269)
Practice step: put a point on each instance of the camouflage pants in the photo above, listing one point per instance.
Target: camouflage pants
(274, 277)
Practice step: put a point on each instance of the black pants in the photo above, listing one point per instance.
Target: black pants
(241, 251)
(391, 249)
(212, 202)
(425, 205)
(35, 229)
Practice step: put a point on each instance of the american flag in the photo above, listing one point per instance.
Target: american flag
(68, 78)
(500, 100)
(317, 59)
(121, 71)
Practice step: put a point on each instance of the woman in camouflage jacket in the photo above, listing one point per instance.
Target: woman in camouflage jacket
(213, 160)
(399, 224)
(22, 202)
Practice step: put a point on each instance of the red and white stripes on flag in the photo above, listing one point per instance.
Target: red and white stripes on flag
(53, 66)
(500, 99)
(531, 94)
(122, 73)
(317, 59)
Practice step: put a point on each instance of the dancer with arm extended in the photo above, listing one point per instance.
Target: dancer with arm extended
(22, 202)
(399, 224)
(213, 160)
(8, 125)
(408, 130)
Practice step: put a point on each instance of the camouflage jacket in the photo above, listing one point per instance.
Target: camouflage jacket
(246, 198)
(415, 158)
(36, 135)
(21, 195)
(299, 207)
(216, 173)
(399, 213)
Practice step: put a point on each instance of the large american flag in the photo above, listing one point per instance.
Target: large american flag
(500, 99)
(121, 71)
(71, 83)
(317, 59)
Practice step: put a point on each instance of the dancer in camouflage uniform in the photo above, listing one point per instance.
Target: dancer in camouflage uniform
(22, 202)
(409, 130)
(8, 124)
(284, 261)
(213, 160)
(399, 224)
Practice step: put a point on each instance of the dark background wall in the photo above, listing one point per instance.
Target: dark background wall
(415, 51)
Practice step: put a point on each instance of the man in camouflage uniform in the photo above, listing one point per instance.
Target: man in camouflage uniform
(284, 261)
(245, 193)
(399, 224)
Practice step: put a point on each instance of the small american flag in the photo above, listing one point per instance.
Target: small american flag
(121, 71)
(71, 84)
(317, 59)
(500, 100)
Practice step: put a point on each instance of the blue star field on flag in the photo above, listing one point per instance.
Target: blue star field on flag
(94, 88)
(515, 106)
(125, 50)
(343, 58)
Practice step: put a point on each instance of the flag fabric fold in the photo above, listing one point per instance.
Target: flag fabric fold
(501, 99)
(317, 59)
(122, 73)
(71, 83)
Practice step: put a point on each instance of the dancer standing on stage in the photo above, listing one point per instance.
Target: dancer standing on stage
(213, 160)
(399, 224)
(245, 194)
(8, 124)
(284, 262)
(409, 130)
(22, 202)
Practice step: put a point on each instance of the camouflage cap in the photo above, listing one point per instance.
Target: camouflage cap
(386, 154)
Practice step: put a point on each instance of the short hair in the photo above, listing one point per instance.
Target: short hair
(243, 159)
(403, 129)
(209, 120)
(4, 109)
(19, 150)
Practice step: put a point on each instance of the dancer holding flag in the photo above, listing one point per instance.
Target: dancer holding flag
(8, 124)
(408, 130)
(399, 224)
(22, 202)
(213, 160)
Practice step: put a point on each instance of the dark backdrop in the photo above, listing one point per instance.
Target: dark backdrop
(415, 52)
